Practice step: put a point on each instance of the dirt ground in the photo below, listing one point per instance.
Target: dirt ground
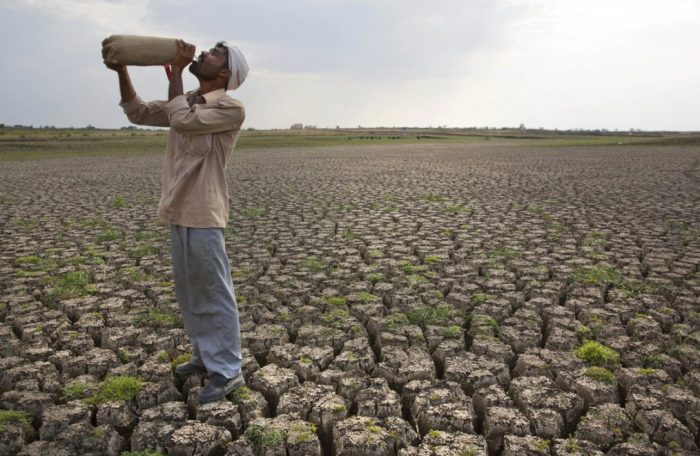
(456, 299)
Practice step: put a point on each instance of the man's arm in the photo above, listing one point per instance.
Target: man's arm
(126, 88)
(136, 110)
(184, 58)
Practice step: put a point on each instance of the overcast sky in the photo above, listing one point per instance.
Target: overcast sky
(614, 64)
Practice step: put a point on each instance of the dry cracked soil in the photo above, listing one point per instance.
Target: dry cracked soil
(398, 300)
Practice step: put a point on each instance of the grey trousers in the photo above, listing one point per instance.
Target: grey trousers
(204, 290)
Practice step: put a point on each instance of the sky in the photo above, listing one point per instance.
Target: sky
(566, 64)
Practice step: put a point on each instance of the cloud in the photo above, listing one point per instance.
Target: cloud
(112, 16)
(551, 63)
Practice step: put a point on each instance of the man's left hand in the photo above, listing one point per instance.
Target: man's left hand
(184, 56)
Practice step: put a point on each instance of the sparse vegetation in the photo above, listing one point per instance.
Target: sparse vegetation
(262, 438)
(597, 354)
(70, 285)
(438, 315)
(118, 202)
(120, 388)
(596, 275)
(23, 419)
(600, 374)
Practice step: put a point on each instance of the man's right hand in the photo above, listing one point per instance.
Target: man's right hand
(112, 66)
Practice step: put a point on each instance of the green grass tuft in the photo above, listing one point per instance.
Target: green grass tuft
(438, 315)
(314, 264)
(160, 319)
(263, 438)
(181, 359)
(335, 301)
(596, 275)
(365, 298)
(24, 419)
(143, 250)
(120, 388)
(597, 354)
(600, 374)
(118, 202)
(70, 285)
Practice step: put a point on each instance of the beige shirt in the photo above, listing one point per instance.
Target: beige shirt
(202, 137)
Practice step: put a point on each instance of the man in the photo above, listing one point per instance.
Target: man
(204, 126)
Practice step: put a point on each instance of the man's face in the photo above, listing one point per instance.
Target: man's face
(210, 63)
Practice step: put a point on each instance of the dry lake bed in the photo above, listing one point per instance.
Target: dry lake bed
(409, 299)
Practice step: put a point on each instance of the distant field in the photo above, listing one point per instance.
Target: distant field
(33, 144)
(423, 299)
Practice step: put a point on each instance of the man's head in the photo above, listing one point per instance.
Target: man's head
(223, 64)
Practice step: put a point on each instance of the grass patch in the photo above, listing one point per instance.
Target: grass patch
(596, 275)
(452, 332)
(134, 274)
(484, 321)
(375, 277)
(240, 395)
(121, 388)
(364, 298)
(396, 320)
(597, 354)
(142, 251)
(433, 434)
(24, 419)
(335, 301)
(459, 209)
(253, 212)
(480, 298)
(432, 259)
(75, 390)
(118, 202)
(242, 273)
(600, 374)
(28, 260)
(334, 316)
(108, 235)
(505, 254)
(70, 285)
(438, 315)
(595, 239)
(262, 438)
(635, 288)
(160, 319)
(181, 359)
(313, 263)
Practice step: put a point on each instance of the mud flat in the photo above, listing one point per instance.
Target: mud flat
(415, 299)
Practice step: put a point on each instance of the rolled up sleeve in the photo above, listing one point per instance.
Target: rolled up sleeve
(146, 113)
(204, 118)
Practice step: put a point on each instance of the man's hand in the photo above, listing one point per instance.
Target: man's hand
(111, 65)
(184, 56)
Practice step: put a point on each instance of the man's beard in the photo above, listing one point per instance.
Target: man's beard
(194, 69)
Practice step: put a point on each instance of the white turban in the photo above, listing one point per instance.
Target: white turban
(237, 65)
